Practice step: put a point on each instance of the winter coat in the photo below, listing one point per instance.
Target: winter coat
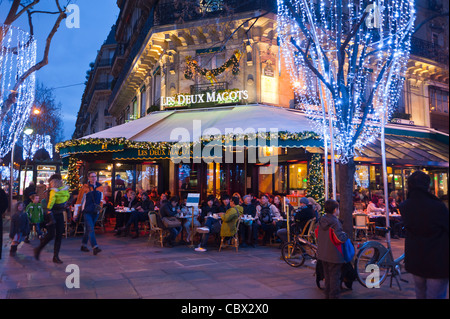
(326, 250)
(426, 220)
(35, 213)
(57, 198)
(92, 198)
(229, 220)
(19, 224)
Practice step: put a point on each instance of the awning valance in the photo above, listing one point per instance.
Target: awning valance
(151, 137)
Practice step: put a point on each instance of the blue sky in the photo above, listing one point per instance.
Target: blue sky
(71, 51)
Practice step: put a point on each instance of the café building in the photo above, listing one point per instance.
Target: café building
(203, 103)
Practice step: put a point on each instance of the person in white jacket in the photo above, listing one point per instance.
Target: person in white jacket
(376, 206)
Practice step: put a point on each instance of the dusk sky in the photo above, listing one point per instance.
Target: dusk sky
(71, 50)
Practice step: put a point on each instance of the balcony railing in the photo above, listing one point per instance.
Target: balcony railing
(179, 12)
(429, 50)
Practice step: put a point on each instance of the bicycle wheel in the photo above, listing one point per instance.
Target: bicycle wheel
(292, 254)
(369, 272)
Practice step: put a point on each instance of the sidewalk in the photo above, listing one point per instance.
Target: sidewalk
(132, 268)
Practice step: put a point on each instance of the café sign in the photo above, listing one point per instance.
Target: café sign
(229, 96)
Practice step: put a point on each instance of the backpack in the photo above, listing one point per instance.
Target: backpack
(265, 215)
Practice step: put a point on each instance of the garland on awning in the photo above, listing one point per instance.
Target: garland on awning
(193, 68)
(282, 135)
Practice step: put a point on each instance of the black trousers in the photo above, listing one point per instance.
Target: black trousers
(56, 232)
(332, 274)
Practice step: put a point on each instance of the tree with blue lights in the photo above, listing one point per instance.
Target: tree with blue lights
(346, 60)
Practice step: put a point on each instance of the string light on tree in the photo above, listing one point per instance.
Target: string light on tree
(17, 55)
(346, 58)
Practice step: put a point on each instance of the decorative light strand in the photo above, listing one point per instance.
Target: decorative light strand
(311, 34)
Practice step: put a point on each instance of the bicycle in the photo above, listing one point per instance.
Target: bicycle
(374, 262)
(295, 253)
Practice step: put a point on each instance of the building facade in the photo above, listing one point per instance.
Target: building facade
(170, 56)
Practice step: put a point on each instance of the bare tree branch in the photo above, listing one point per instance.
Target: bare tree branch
(13, 95)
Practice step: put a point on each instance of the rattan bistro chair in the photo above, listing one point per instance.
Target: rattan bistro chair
(361, 224)
(154, 229)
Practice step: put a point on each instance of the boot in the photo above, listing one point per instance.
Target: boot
(13, 251)
(37, 252)
(56, 260)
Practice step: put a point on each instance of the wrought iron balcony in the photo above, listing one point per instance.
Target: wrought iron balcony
(429, 50)
(184, 11)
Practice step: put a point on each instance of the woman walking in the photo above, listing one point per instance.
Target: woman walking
(54, 217)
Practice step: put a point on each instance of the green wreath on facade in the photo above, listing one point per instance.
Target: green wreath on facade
(193, 68)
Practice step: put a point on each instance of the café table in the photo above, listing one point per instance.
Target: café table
(123, 214)
(183, 218)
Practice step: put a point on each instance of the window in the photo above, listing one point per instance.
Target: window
(298, 176)
(147, 177)
(143, 101)
(438, 100)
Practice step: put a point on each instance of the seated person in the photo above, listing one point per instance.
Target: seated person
(248, 230)
(301, 217)
(376, 206)
(225, 204)
(140, 214)
(170, 209)
(230, 217)
(265, 219)
(130, 202)
(208, 208)
(162, 201)
(305, 213)
(211, 224)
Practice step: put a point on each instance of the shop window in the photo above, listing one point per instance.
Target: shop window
(280, 180)
(147, 177)
(362, 176)
(213, 179)
(265, 181)
(298, 177)
(188, 175)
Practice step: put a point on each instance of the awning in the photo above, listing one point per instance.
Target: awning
(168, 126)
(407, 150)
(151, 137)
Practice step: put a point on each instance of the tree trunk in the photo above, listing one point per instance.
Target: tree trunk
(346, 180)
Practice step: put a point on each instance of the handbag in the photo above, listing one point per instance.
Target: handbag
(171, 222)
(346, 248)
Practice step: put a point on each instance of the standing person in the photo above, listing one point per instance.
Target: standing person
(3, 207)
(426, 244)
(332, 260)
(31, 189)
(35, 214)
(90, 206)
(20, 227)
(40, 189)
(54, 217)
